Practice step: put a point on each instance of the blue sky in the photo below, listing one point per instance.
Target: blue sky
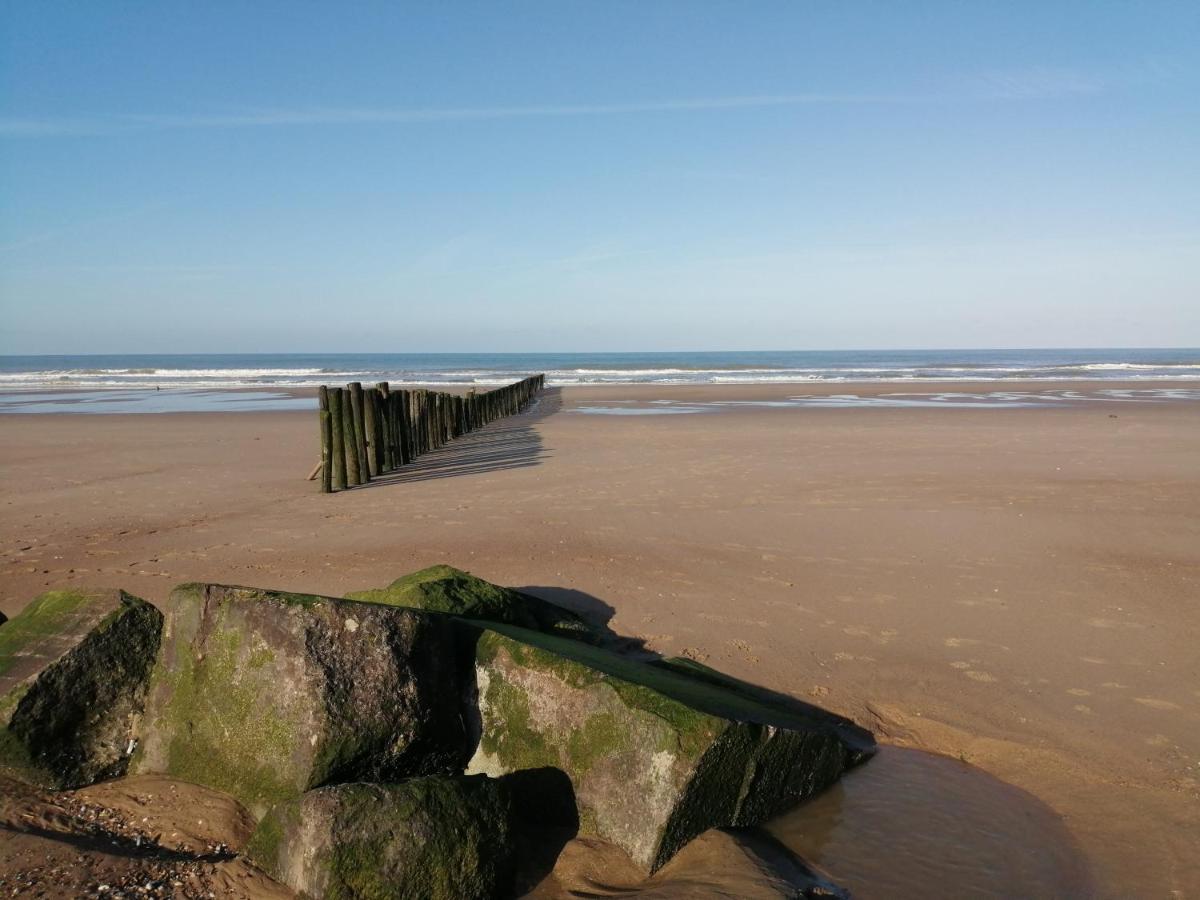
(240, 177)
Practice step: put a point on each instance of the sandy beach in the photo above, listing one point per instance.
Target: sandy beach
(1013, 587)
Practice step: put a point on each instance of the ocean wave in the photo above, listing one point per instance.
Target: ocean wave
(180, 373)
(1100, 367)
(485, 371)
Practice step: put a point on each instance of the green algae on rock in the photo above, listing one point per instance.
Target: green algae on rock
(266, 694)
(433, 838)
(74, 666)
(449, 590)
(774, 708)
(655, 756)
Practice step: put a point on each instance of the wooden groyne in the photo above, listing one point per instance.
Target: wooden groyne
(367, 432)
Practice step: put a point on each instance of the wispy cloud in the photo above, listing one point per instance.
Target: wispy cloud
(1041, 82)
(1033, 83)
(44, 127)
(27, 127)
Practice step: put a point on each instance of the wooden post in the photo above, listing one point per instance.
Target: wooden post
(398, 398)
(365, 433)
(349, 442)
(385, 418)
(392, 447)
(414, 422)
(406, 435)
(423, 413)
(398, 414)
(326, 441)
(433, 420)
(380, 432)
(371, 431)
(419, 424)
(360, 431)
(337, 420)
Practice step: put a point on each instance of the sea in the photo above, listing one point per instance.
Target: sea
(282, 370)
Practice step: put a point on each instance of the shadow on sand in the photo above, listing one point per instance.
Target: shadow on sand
(509, 443)
(597, 612)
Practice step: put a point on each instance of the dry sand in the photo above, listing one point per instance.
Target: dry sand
(144, 836)
(1019, 588)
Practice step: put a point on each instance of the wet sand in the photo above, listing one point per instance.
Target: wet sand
(1014, 587)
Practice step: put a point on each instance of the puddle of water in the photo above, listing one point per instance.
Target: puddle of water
(640, 410)
(900, 401)
(144, 401)
(907, 400)
(915, 824)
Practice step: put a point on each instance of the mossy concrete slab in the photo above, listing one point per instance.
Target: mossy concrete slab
(446, 589)
(767, 706)
(655, 756)
(266, 694)
(74, 666)
(422, 839)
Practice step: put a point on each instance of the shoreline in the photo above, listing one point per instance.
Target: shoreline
(284, 398)
(1011, 587)
(1126, 381)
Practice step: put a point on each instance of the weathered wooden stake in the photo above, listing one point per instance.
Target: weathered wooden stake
(326, 441)
(338, 445)
(387, 431)
(365, 433)
(360, 431)
(350, 442)
(371, 431)
(406, 453)
(380, 432)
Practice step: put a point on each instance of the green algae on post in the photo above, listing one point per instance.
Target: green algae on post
(326, 441)
(382, 430)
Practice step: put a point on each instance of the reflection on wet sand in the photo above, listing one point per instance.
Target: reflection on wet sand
(911, 824)
(958, 399)
(904, 824)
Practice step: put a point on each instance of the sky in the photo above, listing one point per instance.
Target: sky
(569, 175)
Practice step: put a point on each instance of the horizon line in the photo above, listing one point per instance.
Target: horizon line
(602, 352)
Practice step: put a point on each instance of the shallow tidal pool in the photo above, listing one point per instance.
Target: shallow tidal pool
(914, 824)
